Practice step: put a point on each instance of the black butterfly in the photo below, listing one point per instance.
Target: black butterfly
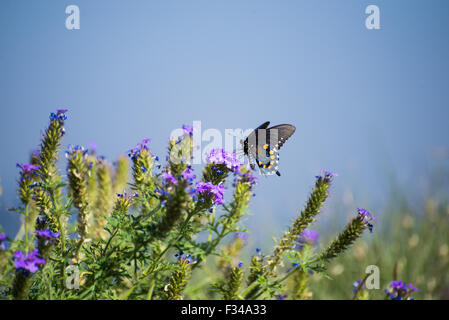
(263, 144)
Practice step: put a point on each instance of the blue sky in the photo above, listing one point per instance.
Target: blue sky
(371, 105)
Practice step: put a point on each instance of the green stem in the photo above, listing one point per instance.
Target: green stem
(153, 264)
(150, 291)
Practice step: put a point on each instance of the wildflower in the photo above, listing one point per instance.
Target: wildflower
(59, 115)
(2, 241)
(356, 285)
(188, 175)
(307, 236)
(220, 156)
(169, 178)
(28, 170)
(47, 234)
(365, 216)
(141, 146)
(188, 130)
(327, 176)
(240, 264)
(398, 290)
(281, 297)
(28, 263)
(181, 256)
(209, 191)
(243, 175)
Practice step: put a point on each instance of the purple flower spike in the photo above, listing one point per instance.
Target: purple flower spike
(211, 190)
(311, 236)
(188, 175)
(365, 216)
(47, 234)
(142, 145)
(188, 130)
(326, 175)
(29, 263)
(28, 170)
(168, 177)
(220, 156)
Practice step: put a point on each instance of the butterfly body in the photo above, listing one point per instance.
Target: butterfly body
(263, 144)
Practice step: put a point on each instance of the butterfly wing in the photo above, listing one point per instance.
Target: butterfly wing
(281, 133)
(251, 142)
(263, 144)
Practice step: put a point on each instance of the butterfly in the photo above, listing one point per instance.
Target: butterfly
(263, 144)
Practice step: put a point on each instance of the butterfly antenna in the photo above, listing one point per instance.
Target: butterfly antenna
(278, 173)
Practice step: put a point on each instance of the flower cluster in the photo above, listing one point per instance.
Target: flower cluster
(307, 236)
(365, 216)
(141, 146)
(327, 176)
(46, 236)
(28, 170)
(398, 290)
(243, 175)
(188, 130)
(59, 115)
(207, 191)
(358, 286)
(181, 256)
(220, 156)
(27, 263)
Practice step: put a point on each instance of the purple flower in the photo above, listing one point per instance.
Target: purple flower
(398, 290)
(365, 216)
(214, 192)
(61, 111)
(47, 234)
(141, 146)
(412, 288)
(326, 175)
(28, 170)
(188, 130)
(29, 263)
(281, 297)
(356, 285)
(240, 264)
(2, 241)
(168, 177)
(311, 236)
(220, 156)
(245, 177)
(188, 175)
(36, 153)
